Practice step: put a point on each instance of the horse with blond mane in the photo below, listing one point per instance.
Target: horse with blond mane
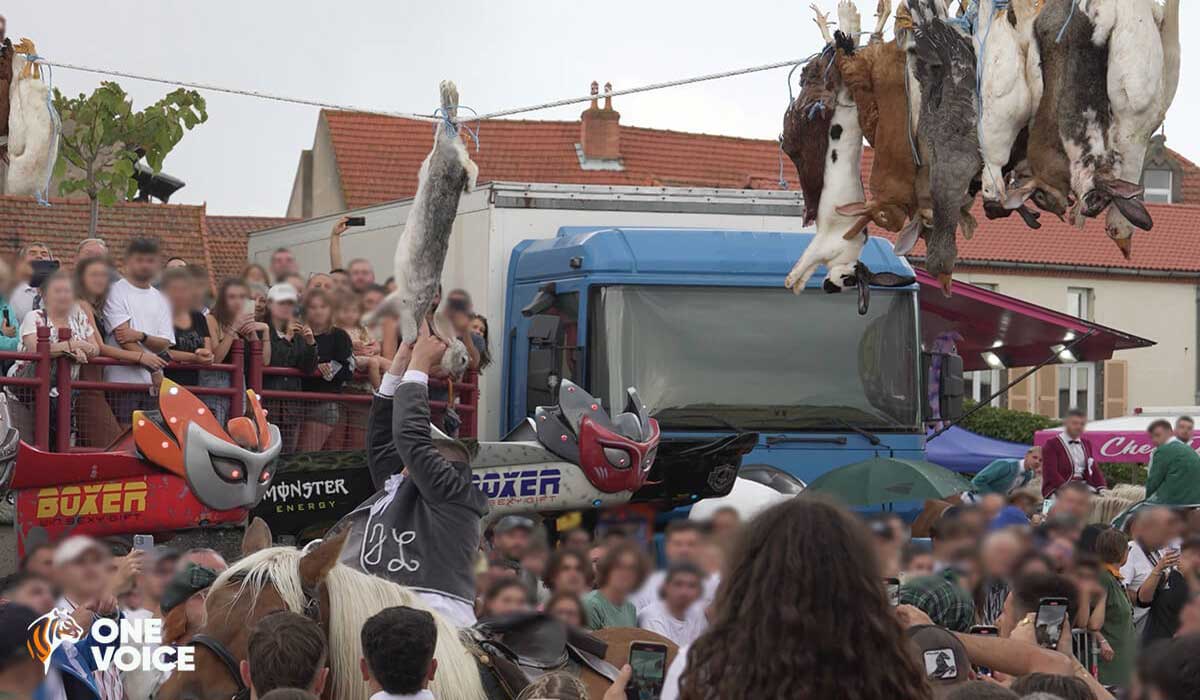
(312, 583)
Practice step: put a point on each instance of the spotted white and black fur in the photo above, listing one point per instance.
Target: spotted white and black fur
(421, 250)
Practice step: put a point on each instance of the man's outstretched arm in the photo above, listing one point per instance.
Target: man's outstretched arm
(382, 458)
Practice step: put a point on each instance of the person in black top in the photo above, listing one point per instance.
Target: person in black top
(1176, 587)
(193, 344)
(292, 345)
(335, 366)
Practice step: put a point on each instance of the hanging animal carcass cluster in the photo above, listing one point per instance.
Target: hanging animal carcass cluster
(1052, 102)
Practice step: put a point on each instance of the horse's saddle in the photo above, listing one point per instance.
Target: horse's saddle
(518, 649)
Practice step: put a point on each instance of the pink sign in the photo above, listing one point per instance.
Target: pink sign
(1113, 446)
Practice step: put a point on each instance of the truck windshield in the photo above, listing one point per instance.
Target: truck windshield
(758, 358)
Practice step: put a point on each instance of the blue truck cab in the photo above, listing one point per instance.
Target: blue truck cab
(738, 371)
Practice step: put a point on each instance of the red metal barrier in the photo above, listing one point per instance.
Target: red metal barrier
(293, 409)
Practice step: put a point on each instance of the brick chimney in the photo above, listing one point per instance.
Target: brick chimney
(599, 129)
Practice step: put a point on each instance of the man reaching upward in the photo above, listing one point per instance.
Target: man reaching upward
(421, 529)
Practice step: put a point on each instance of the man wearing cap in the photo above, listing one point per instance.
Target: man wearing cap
(421, 529)
(81, 569)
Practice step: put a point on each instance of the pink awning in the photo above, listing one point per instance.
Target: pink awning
(1112, 446)
(1020, 333)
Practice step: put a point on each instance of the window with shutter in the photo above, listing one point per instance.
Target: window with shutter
(1020, 396)
(1116, 388)
(1046, 389)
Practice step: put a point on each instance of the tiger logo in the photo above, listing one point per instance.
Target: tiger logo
(49, 631)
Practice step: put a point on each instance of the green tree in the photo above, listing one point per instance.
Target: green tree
(103, 136)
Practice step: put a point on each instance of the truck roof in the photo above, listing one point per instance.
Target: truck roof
(754, 258)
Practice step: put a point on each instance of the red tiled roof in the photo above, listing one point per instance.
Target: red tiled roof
(378, 157)
(64, 224)
(1169, 248)
(226, 241)
(216, 242)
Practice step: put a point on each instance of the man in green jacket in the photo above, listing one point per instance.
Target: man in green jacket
(1174, 478)
(1003, 476)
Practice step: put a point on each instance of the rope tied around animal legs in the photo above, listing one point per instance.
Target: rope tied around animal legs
(454, 126)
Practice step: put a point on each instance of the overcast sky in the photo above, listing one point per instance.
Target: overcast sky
(391, 55)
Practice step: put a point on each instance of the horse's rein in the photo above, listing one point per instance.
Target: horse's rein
(311, 610)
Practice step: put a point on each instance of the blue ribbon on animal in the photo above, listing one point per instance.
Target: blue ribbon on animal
(444, 115)
(1070, 16)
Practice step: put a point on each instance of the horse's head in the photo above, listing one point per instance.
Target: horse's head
(240, 597)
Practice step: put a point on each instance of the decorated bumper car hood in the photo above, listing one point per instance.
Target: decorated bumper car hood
(225, 467)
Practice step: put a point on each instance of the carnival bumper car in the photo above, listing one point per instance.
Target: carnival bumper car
(176, 469)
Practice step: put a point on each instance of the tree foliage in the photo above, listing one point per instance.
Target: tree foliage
(103, 136)
(1006, 424)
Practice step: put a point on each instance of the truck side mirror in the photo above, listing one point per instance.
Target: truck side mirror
(951, 388)
(545, 339)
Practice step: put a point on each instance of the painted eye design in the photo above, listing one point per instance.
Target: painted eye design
(229, 470)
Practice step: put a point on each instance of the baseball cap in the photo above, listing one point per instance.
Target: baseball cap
(513, 522)
(943, 658)
(282, 292)
(15, 620)
(190, 580)
(74, 547)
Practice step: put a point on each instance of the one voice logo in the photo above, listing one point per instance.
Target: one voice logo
(127, 645)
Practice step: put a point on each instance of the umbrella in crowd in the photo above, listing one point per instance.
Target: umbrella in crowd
(887, 480)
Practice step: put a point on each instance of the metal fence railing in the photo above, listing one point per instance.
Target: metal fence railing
(98, 411)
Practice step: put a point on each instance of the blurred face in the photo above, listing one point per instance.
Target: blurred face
(725, 522)
(283, 311)
(324, 282)
(260, 303)
(283, 263)
(92, 249)
(479, 327)
(509, 600)
(682, 546)
(41, 562)
(141, 267)
(317, 312)
(1184, 429)
(1155, 528)
(1033, 460)
(534, 561)
(348, 316)
(681, 591)
(361, 274)
(1161, 435)
(86, 577)
(567, 611)
(59, 297)
(235, 296)
(597, 553)
(371, 298)
(513, 543)
(570, 576)
(340, 279)
(255, 275)
(623, 577)
(1077, 504)
(920, 565)
(1000, 554)
(576, 539)
(180, 293)
(37, 252)
(992, 504)
(95, 279)
(1074, 425)
(35, 594)
(156, 577)
(390, 286)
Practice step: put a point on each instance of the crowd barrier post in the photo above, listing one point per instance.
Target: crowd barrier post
(41, 399)
(237, 358)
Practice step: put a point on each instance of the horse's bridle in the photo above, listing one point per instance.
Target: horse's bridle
(311, 610)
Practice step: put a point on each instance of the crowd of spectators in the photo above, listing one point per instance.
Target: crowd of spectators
(160, 316)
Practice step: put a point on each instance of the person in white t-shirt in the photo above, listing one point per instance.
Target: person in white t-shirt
(682, 544)
(677, 614)
(138, 318)
(1153, 531)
